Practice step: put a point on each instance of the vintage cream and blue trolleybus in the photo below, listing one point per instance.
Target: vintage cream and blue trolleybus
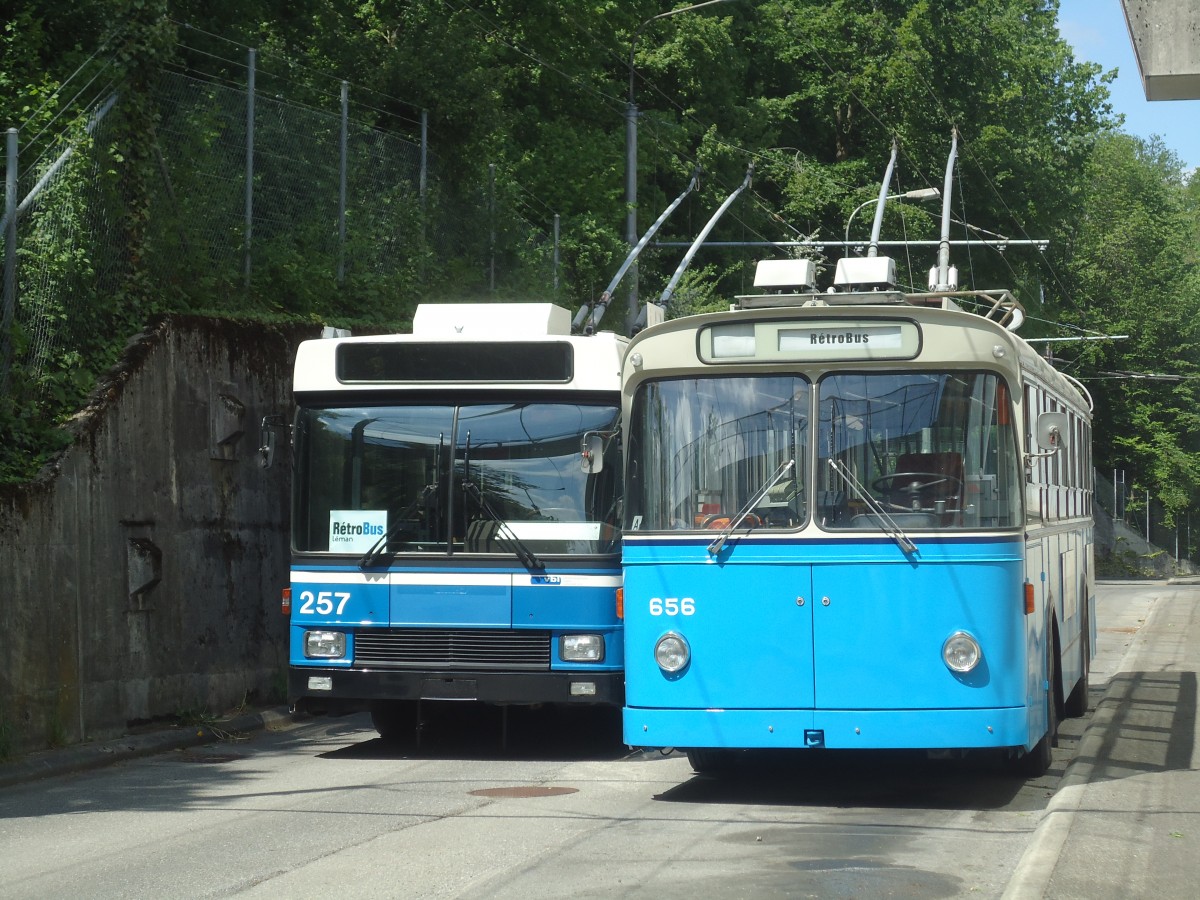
(855, 518)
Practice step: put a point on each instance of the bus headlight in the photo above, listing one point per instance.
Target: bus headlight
(581, 647)
(961, 652)
(672, 652)
(324, 644)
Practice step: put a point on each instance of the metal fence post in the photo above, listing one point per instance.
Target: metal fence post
(492, 226)
(249, 162)
(341, 269)
(556, 226)
(10, 257)
(424, 152)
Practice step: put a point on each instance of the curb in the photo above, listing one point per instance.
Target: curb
(85, 757)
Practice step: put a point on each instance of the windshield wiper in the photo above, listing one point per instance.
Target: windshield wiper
(887, 523)
(715, 547)
(427, 498)
(527, 557)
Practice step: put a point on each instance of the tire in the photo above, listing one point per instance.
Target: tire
(394, 719)
(1076, 705)
(1036, 762)
(710, 761)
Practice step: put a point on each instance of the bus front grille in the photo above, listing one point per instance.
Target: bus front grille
(430, 648)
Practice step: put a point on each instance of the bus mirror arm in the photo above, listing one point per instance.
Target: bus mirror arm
(1051, 432)
(266, 450)
(591, 450)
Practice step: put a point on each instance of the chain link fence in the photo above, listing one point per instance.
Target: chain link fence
(250, 204)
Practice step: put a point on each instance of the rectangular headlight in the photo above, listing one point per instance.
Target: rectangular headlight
(581, 647)
(324, 644)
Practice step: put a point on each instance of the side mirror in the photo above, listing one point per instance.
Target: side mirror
(1052, 431)
(591, 452)
(269, 437)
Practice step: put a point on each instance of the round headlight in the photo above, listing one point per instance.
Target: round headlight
(961, 652)
(672, 652)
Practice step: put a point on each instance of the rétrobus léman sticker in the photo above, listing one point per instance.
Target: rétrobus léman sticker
(356, 530)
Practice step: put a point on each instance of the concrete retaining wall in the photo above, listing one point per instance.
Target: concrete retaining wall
(142, 571)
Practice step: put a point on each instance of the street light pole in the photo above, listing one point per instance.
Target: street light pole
(919, 194)
(631, 117)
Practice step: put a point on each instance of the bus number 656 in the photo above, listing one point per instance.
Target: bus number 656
(672, 606)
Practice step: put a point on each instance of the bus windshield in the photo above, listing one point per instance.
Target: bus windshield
(914, 450)
(701, 448)
(397, 475)
(924, 449)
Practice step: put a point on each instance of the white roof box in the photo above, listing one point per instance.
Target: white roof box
(865, 273)
(786, 274)
(490, 320)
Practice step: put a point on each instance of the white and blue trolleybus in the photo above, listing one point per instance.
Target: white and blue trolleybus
(456, 515)
(856, 518)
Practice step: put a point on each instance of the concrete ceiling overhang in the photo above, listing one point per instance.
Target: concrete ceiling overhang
(1166, 42)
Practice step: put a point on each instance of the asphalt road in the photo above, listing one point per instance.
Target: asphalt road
(550, 806)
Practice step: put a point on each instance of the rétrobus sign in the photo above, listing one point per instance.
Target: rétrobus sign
(783, 341)
(355, 530)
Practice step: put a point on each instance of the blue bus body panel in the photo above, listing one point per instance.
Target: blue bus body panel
(834, 636)
(452, 600)
(349, 599)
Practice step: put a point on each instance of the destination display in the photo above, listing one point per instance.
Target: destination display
(816, 340)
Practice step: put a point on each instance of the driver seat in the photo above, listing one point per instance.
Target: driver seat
(945, 463)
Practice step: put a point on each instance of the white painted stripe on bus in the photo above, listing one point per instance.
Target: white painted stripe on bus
(301, 577)
(599, 581)
(434, 579)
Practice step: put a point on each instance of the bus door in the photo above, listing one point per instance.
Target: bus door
(713, 460)
(748, 624)
(924, 542)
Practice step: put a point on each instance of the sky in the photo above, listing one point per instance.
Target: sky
(1097, 31)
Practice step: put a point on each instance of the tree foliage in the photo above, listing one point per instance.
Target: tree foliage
(811, 92)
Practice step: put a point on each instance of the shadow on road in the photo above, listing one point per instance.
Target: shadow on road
(476, 731)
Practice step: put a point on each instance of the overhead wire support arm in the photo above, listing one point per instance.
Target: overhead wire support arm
(597, 311)
(716, 217)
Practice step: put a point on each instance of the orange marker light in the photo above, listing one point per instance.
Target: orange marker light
(620, 603)
(1029, 598)
(285, 601)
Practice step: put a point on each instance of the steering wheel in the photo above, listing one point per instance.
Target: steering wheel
(912, 483)
(915, 481)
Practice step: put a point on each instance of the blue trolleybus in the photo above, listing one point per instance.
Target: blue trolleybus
(857, 518)
(456, 511)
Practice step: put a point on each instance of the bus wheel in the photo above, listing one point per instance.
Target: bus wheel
(394, 719)
(1037, 761)
(710, 761)
(1076, 704)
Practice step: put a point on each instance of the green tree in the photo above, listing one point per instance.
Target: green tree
(1131, 267)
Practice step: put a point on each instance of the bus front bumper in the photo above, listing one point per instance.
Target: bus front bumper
(908, 729)
(325, 690)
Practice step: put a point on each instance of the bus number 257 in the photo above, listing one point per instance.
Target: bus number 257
(672, 606)
(322, 604)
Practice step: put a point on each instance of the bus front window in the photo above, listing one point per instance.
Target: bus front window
(398, 471)
(929, 450)
(701, 448)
